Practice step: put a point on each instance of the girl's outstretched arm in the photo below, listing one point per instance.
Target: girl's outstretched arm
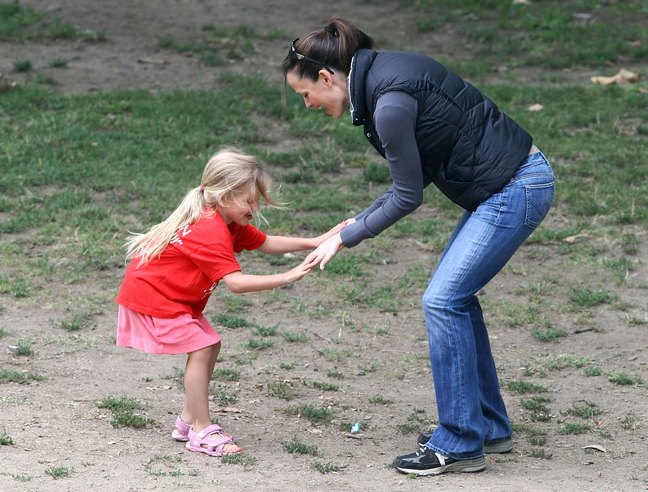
(240, 283)
(287, 244)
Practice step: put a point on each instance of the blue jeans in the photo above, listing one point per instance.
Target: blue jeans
(469, 402)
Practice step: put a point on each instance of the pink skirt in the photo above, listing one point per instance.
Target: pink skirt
(179, 335)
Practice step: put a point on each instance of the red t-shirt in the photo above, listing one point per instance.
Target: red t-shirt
(183, 277)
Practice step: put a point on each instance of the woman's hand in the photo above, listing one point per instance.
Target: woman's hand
(334, 230)
(325, 251)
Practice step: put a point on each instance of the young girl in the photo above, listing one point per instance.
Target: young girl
(174, 268)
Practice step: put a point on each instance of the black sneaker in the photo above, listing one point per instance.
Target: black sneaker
(427, 462)
(500, 446)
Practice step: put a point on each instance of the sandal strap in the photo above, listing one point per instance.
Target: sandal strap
(181, 425)
(208, 431)
(204, 439)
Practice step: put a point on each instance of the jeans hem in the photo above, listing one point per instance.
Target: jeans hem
(462, 456)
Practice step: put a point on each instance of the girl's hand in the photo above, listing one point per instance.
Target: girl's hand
(325, 251)
(301, 270)
(334, 230)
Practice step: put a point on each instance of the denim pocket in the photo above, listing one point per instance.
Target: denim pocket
(539, 198)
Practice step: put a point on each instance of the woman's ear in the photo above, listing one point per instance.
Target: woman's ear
(326, 76)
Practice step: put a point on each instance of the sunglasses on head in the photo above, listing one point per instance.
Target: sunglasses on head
(293, 54)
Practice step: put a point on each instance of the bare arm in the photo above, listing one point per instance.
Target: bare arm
(286, 244)
(240, 283)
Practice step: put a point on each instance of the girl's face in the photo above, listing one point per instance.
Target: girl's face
(329, 91)
(239, 208)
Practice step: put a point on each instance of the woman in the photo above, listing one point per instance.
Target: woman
(433, 127)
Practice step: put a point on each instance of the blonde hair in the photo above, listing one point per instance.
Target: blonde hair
(228, 173)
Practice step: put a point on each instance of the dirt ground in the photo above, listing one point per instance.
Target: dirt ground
(56, 423)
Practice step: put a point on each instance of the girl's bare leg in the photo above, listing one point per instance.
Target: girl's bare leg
(198, 373)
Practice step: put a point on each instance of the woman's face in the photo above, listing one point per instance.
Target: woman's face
(329, 91)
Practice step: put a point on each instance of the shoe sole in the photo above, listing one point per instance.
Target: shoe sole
(499, 447)
(493, 447)
(465, 466)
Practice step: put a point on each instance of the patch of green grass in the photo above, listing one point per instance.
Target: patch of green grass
(586, 411)
(297, 447)
(541, 453)
(316, 415)
(324, 386)
(629, 422)
(624, 379)
(22, 66)
(259, 344)
(325, 468)
(123, 410)
(537, 440)
(593, 371)
(563, 361)
(380, 400)
(281, 389)
(223, 395)
(57, 472)
(329, 354)
(16, 286)
(528, 429)
(120, 404)
(549, 334)
(516, 315)
(8, 376)
(244, 459)
(59, 63)
(290, 337)
(537, 406)
(575, 428)
(76, 322)
(5, 439)
(266, 331)
(525, 387)
(23, 348)
(384, 298)
(585, 297)
(344, 265)
(335, 374)
(368, 368)
(289, 366)
(163, 465)
(216, 44)
(346, 426)
(18, 23)
(235, 304)
(231, 321)
(550, 34)
(414, 423)
(226, 374)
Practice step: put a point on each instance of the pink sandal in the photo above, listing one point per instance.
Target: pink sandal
(203, 443)
(181, 431)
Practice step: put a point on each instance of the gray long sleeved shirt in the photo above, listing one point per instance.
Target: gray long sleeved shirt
(395, 122)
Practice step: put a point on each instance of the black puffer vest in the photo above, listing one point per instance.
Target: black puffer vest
(468, 147)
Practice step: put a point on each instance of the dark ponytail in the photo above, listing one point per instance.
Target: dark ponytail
(331, 47)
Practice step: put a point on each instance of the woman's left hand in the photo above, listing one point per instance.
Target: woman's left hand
(325, 251)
